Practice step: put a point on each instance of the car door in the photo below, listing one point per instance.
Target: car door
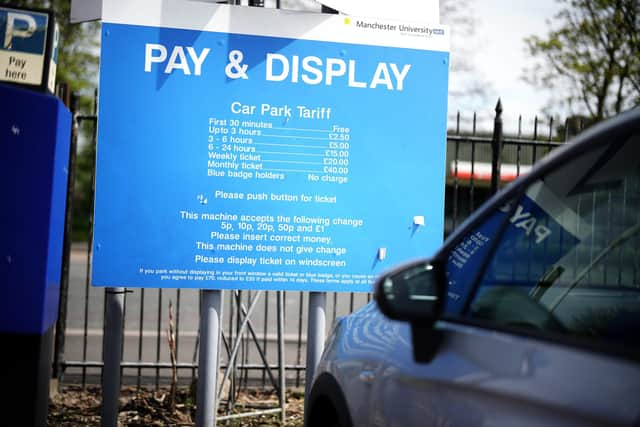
(542, 317)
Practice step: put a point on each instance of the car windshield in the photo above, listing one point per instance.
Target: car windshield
(568, 258)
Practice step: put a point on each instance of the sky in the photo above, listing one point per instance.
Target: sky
(498, 54)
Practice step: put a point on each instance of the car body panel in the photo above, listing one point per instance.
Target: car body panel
(480, 377)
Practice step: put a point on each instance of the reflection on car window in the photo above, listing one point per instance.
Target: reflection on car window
(568, 260)
(468, 257)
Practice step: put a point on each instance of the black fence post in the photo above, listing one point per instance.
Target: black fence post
(61, 323)
(496, 148)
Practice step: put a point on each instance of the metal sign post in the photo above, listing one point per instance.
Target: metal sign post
(315, 335)
(282, 389)
(85, 10)
(112, 345)
(210, 333)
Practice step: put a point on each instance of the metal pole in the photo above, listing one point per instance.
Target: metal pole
(496, 149)
(61, 323)
(315, 336)
(210, 333)
(281, 358)
(112, 350)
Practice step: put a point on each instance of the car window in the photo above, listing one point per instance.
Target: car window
(466, 260)
(567, 259)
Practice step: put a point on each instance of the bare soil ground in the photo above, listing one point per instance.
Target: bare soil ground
(73, 406)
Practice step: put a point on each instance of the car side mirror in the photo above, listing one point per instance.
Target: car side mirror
(414, 292)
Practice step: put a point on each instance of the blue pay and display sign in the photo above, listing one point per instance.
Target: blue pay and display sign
(302, 159)
(23, 47)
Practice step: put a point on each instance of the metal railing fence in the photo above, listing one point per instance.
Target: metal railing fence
(473, 159)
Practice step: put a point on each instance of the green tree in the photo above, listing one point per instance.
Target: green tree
(592, 57)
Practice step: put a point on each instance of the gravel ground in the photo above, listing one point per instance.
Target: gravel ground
(73, 406)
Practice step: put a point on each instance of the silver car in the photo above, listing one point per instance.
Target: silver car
(529, 315)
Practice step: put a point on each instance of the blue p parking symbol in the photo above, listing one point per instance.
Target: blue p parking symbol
(23, 31)
(18, 25)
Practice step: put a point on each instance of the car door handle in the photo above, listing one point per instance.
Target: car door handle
(367, 377)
